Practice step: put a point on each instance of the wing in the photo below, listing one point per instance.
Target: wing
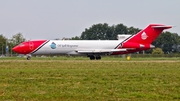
(101, 51)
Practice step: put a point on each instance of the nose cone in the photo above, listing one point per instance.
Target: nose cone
(16, 49)
(22, 48)
(28, 47)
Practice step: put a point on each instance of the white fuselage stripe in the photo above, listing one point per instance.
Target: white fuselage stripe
(69, 46)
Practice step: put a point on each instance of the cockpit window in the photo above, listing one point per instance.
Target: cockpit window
(21, 45)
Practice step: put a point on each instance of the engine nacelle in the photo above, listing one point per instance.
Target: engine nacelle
(123, 37)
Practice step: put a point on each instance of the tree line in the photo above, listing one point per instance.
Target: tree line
(6, 44)
(167, 41)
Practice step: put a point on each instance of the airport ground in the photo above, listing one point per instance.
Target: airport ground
(78, 78)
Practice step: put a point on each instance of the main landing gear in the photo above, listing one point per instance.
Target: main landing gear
(93, 57)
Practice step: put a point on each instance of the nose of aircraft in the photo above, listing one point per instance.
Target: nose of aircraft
(22, 48)
(16, 49)
(28, 46)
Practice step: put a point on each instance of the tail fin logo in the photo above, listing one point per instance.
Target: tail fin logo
(144, 36)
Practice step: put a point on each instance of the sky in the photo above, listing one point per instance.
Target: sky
(51, 19)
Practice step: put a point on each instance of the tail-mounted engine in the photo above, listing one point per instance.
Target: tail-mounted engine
(136, 45)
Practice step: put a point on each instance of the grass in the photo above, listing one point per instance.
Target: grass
(108, 58)
(79, 80)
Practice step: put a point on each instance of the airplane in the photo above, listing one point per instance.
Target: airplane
(93, 48)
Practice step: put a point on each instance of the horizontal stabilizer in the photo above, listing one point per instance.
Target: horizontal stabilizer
(162, 27)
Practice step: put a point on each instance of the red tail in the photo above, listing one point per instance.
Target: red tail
(143, 39)
(148, 35)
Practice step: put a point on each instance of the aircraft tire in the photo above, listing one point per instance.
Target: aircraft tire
(98, 57)
(28, 57)
(92, 57)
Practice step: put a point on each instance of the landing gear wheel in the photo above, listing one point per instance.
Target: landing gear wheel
(28, 57)
(98, 57)
(92, 57)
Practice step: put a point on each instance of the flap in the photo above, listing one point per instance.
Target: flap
(86, 51)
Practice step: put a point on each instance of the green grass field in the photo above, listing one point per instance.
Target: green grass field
(76, 79)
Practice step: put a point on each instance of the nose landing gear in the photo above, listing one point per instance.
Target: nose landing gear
(28, 57)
